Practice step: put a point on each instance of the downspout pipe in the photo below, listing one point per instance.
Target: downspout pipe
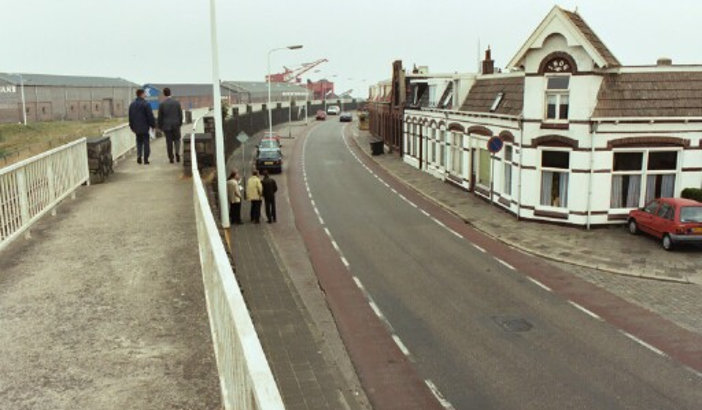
(521, 150)
(593, 132)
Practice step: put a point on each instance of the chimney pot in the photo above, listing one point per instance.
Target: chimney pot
(664, 61)
(488, 63)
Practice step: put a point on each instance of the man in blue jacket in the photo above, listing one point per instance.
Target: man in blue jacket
(141, 120)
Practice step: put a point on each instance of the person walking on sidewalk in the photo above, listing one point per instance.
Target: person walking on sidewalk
(269, 190)
(141, 121)
(234, 193)
(170, 119)
(254, 190)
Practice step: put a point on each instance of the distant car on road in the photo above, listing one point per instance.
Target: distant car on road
(672, 220)
(321, 115)
(269, 159)
(345, 117)
(333, 110)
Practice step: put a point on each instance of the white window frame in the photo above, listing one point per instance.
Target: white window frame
(480, 143)
(456, 145)
(541, 169)
(645, 173)
(558, 93)
(442, 148)
(507, 165)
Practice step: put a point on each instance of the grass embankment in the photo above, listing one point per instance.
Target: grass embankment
(18, 142)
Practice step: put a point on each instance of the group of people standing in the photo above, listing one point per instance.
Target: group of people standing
(257, 191)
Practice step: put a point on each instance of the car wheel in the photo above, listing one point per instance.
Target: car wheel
(667, 242)
(633, 227)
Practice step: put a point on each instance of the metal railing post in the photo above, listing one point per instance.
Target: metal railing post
(23, 197)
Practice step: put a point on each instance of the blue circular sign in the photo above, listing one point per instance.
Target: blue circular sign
(495, 144)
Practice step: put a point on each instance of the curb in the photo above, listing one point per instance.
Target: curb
(515, 245)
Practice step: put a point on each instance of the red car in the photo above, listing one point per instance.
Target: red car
(673, 220)
(321, 115)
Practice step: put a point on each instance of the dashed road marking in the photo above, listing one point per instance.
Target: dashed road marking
(539, 284)
(507, 265)
(455, 233)
(327, 231)
(695, 372)
(345, 262)
(438, 222)
(401, 345)
(376, 309)
(642, 343)
(440, 397)
(335, 245)
(359, 284)
(321, 221)
(478, 248)
(585, 310)
(424, 212)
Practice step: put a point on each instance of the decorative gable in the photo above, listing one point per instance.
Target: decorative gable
(565, 32)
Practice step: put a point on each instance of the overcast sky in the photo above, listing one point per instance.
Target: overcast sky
(169, 40)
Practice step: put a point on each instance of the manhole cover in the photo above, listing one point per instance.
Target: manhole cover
(513, 324)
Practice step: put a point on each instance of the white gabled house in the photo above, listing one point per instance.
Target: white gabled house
(585, 138)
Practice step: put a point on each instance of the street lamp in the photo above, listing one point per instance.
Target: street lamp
(270, 113)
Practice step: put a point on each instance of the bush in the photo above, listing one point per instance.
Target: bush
(692, 193)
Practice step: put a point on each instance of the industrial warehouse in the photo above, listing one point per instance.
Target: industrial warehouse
(45, 97)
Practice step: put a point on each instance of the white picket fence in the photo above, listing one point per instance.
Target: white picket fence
(31, 188)
(246, 380)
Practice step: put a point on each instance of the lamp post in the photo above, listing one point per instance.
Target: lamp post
(219, 130)
(24, 108)
(270, 113)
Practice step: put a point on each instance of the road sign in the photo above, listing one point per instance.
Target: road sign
(495, 144)
(242, 137)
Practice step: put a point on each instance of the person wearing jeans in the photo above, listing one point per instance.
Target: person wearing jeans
(254, 191)
(141, 121)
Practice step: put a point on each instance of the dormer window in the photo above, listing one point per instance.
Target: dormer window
(557, 97)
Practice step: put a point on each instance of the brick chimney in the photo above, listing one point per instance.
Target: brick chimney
(488, 63)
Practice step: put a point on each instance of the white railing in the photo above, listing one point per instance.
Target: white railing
(122, 139)
(31, 188)
(245, 377)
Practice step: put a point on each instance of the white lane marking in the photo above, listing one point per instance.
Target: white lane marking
(455, 233)
(695, 372)
(642, 343)
(401, 345)
(359, 284)
(478, 248)
(393, 190)
(403, 197)
(445, 403)
(424, 212)
(505, 264)
(345, 262)
(585, 310)
(314, 204)
(439, 223)
(335, 245)
(376, 309)
(539, 284)
(327, 231)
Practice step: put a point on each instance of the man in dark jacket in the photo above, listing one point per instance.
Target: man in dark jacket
(170, 118)
(269, 190)
(141, 120)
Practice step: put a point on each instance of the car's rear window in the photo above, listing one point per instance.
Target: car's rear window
(691, 214)
(268, 144)
(269, 154)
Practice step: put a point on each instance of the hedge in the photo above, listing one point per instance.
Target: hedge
(692, 193)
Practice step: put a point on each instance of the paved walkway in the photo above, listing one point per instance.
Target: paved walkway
(610, 249)
(298, 333)
(104, 307)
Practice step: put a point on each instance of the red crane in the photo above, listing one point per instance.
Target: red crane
(290, 76)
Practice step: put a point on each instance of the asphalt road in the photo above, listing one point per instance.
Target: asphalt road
(485, 335)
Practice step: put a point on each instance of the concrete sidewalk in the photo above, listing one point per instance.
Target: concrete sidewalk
(610, 249)
(104, 307)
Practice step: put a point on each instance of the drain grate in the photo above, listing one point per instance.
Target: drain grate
(512, 324)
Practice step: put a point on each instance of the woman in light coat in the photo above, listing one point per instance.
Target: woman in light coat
(234, 194)
(254, 192)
